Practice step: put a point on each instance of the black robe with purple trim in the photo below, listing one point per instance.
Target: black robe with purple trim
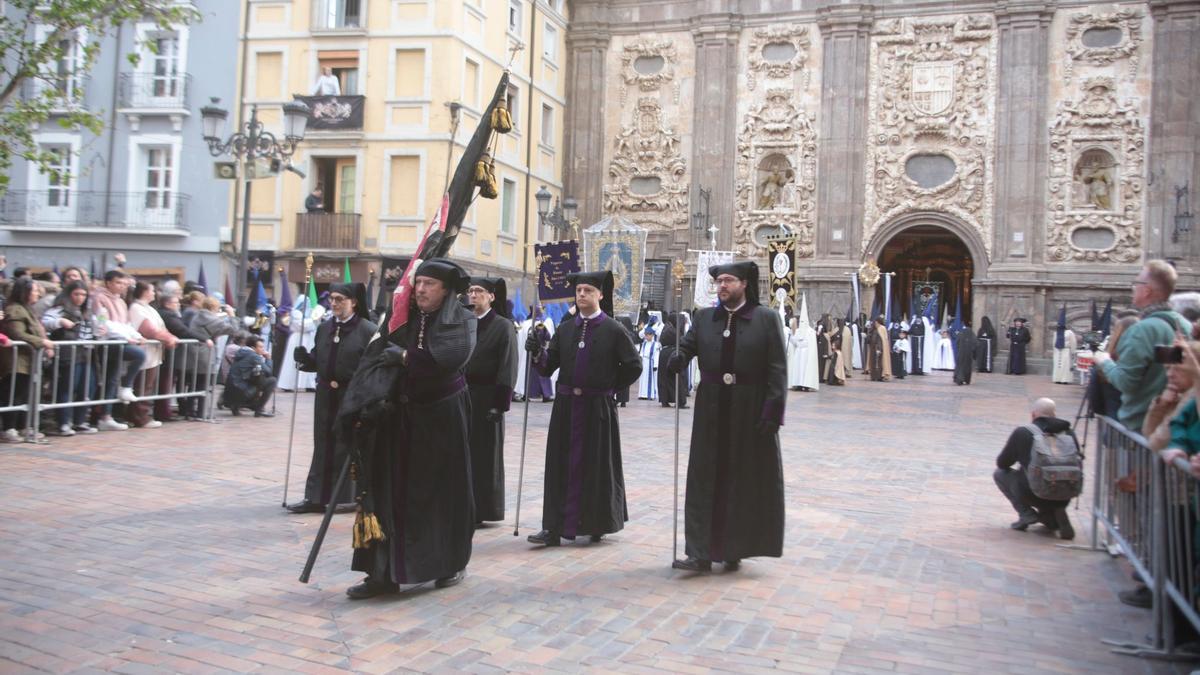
(491, 374)
(585, 484)
(418, 456)
(734, 503)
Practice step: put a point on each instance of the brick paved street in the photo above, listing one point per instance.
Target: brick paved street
(167, 550)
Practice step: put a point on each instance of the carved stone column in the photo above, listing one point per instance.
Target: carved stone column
(1174, 157)
(845, 33)
(583, 120)
(1021, 132)
(714, 136)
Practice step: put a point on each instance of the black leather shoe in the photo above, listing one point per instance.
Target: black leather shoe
(235, 411)
(595, 538)
(263, 413)
(693, 565)
(1025, 521)
(733, 565)
(370, 589)
(545, 538)
(306, 507)
(1065, 531)
(452, 580)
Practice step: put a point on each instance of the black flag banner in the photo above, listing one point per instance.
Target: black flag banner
(783, 273)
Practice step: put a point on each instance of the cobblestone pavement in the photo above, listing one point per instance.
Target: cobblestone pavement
(167, 550)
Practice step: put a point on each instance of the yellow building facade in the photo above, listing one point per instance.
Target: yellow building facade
(402, 70)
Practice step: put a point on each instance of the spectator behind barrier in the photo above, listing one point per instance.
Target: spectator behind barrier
(147, 321)
(20, 324)
(1014, 484)
(1134, 372)
(71, 319)
(112, 316)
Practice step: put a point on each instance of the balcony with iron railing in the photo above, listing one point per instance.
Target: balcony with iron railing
(151, 91)
(328, 231)
(67, 209)
(333, 113)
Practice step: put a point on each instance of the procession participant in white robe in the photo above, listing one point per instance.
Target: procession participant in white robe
(522, 363)
(856, 359)
(795, 354)
(907, 349)
(1064, 356)
(810, 376)
(288, 373)
(648, 350)
(694, 366)
(903, 351)
(930, 347)
(943, 358)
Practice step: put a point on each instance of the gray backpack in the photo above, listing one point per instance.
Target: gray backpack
(1055, 470)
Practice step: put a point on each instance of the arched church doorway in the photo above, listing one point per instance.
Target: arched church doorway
(933, 270)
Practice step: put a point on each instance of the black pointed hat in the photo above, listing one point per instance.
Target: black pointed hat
(497, 287)
(356, 292)
(446, 271)
(746, 271)
(600, 280)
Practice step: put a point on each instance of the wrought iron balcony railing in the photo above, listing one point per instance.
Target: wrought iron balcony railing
(150, 90)
(67, 208)
(328, 231)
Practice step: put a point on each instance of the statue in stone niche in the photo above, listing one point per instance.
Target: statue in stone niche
(1094, 180)
(774, 174)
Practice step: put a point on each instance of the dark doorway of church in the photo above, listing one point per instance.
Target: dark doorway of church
(933, 270)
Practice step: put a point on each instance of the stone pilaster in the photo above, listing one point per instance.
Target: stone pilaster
(1174, 156)
(845, 69)
(714, 131)
(583, 125)
(1021, 133)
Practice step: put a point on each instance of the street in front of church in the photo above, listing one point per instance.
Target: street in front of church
(168, 551)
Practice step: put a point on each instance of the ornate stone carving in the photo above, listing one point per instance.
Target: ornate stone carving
(647, 174)
(933, 87)
(1097, 158)
(760, 64)
(1128, 21)
(776, 174)
(662, 51)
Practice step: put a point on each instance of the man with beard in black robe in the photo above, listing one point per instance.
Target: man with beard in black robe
(491, 374)
(1018, 337)
(338, 346)
(986, 346)
(734, 503)
(670, 385)
(965, 346)
(417, 510)
(585, 483)
(916, 339)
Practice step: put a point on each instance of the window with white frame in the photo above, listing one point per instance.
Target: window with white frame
(158, 177)
(160, 78)
(550, 43)
(165, 65)
(64, 71)
(512, 99)
(547, 126)
(339, 14)
(58, 176)
(514, 16)
(508, 206)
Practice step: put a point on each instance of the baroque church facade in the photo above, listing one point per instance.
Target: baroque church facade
(1017, 155)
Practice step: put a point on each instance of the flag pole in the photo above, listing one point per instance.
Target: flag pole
(524, 436)
(287, 473)
(677, 270)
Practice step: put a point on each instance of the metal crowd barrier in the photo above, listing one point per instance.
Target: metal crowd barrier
(1148, 513)
(77, 376)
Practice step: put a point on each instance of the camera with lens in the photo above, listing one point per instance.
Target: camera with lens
(1093, 339)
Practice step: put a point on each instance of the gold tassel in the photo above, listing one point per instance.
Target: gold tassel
(501, 118)
(366, 529)
(481, 167)
(485, 177)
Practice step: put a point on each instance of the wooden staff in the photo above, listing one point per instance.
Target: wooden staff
(287, 473)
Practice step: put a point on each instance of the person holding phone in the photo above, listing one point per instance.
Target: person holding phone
(1135, 372)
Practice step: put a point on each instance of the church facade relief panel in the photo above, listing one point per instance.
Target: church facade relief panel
(931, 140)
(775, 173)
(647, 177)
(1097, 163)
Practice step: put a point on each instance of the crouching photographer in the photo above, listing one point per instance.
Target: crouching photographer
(250, 383)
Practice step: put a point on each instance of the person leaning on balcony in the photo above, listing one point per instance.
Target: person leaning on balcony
(15, 366)
(327, 84)
(112, 315)
(147, 321)
(315, 201)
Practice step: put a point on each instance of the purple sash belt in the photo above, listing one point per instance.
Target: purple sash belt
(567, 390)
(728, 379)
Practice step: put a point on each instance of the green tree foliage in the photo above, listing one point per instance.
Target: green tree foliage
(47, 49)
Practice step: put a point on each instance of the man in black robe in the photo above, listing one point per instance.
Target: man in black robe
(734, 503)
(986, 345)
(965, 347)
(916, 340)
(417, 509)
(337, 348)
(585, 483)
(670, 385)
(491, 374)
(1018, 337)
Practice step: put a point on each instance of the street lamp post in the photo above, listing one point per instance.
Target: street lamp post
(248, 145)
(561, 218)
